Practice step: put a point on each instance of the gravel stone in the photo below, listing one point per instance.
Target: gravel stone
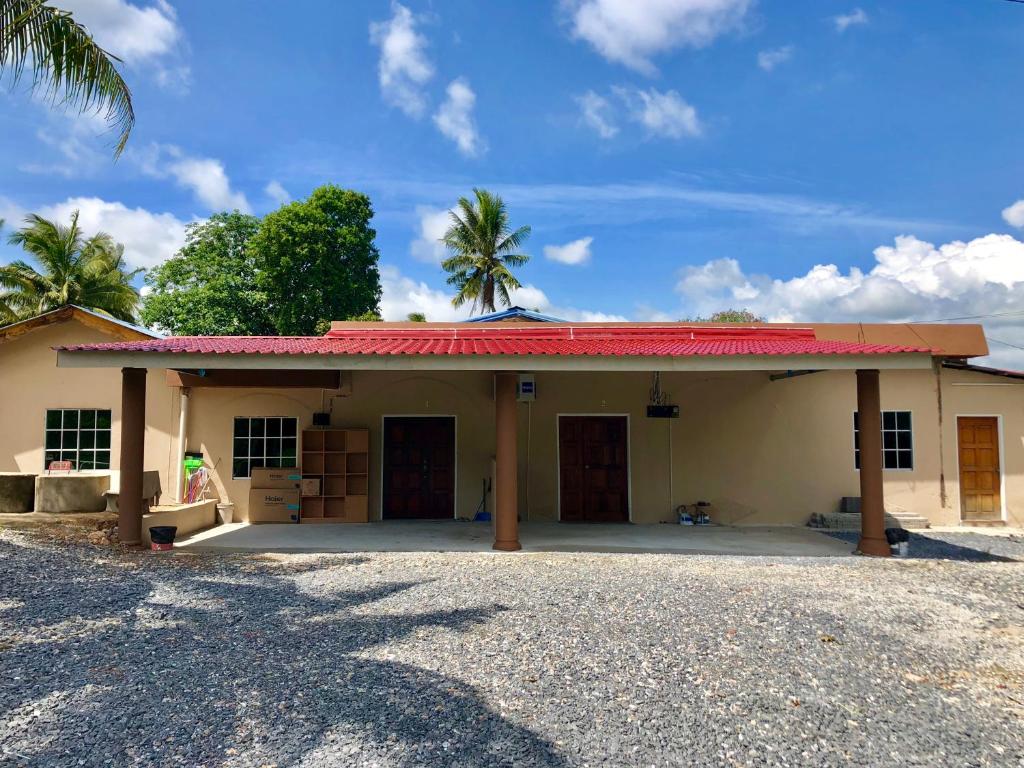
(110, 658)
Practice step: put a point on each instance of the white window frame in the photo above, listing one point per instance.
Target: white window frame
(248, 458)
(78, 449)
(882, 430)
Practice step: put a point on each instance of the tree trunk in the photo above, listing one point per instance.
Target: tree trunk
(488, 299)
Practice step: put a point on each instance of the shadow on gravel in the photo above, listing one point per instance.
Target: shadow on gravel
(965, 547)
(235, 667)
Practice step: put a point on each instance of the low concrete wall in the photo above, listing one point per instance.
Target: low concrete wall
(75, 492)
(188, 518)
(17, 491)
(150, 489)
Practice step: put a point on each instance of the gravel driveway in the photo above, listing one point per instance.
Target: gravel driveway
(109, 658)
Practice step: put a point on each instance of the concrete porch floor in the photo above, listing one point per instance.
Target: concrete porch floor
(452, 536)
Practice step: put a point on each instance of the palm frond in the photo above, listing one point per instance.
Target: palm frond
(65, 62)
(90, 272)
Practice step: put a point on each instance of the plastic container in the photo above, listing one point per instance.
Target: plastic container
(162, 537)
(225, 512)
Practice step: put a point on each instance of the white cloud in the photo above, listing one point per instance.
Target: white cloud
(664, 114)
(208, 181)
(630, 32)
(627, 203)
(532, 297)
(576, 252)
(205, 176)
(1014, 215)
(277, 193)
(770, 59)
(128, 31)
(854, 18)
(404, 68)
(76, 139)
(402, 295)
(148, 238)
(597, 114)
(139, 34)
(910, 280)
(433, 223)
(454, 118)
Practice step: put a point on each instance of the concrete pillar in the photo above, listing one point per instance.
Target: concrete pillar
(506, 493)
(872, 501)
(133, 438)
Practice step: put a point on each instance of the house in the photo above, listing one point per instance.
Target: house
(550, 420)
(55, 415)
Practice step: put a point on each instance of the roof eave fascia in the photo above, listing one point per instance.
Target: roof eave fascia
(194, 361)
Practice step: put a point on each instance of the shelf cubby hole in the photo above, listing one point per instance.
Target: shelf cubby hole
(313, 507)
(356, 463)
(356, 485)
(334, 507)
(312, 463)
(334, 464)
(334, 486)
(357, 440)
(312, 440)
(334, 441)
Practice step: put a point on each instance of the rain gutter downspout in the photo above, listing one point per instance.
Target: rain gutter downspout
(179, 467)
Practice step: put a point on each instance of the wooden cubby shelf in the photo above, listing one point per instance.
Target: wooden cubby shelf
(340, 460)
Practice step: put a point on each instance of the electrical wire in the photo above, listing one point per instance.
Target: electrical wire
(972, 317)
(1000, 341)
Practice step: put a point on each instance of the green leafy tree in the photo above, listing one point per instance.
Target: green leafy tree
(64, 62)
(416, 317)
(728, 316)
(88, 272)
(373, 316)
(484, 250)
(316, 260)
(209, 286)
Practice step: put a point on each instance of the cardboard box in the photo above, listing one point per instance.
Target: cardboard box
(274, 477)
(310, 486)
(274, 505)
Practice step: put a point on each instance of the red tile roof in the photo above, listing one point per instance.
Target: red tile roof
(638, 340)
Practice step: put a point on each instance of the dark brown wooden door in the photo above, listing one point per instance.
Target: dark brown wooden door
(978, 446)
(593, 469)
(419, 467)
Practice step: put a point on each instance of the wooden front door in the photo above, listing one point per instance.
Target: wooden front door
(419, 467)
(978, 447)
(593, 469)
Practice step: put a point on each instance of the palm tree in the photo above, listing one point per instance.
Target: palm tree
(65, 61)
(87, 272)
(483, 251)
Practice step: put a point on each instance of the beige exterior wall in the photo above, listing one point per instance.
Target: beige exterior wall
(31, 383)
(467, 396)
(761, 452)
(966, 393)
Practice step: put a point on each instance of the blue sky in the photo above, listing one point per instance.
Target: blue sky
(811, 160)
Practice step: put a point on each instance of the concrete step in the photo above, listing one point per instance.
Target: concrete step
(847, 521)
(909, 520)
